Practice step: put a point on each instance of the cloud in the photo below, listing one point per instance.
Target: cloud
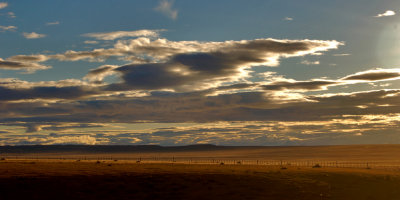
(98, 74)
(29, 67)
(189, 64)
(51, 140)
(7, 28)
(374, 75)
(192, 82)
(52, 23)
(349, 130)
(90, 42)
(175, 107)
(28, 58)
(386, 14)
(83, 139)
(145, 50)
(11, 15)
(46, 92)
(123, 34)
(13, 83)
(300, 85)
(165, 7)
(33, 35)
(307, 62)
(368, 76)
(226, 62)
(3, 5)
(288, 19)
(246, 117)
(33, 127)
(97, 55)
(342, 54)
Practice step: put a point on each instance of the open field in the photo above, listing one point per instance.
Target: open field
(67, 179)
(345, 156)
(195, 172)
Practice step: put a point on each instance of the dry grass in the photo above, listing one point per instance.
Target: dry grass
(68, 179)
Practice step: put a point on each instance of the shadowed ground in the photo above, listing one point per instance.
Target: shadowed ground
(44, 179)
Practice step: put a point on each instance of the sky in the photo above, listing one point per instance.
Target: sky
(181, 72)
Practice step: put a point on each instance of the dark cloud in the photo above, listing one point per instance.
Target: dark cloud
(27, 66)
(30, 128)
(98, 74)
(249, 106)
(52, 92)
(374, 75)
(149, 77)
(264, 119)
(147, 49)
(237, 86)
(222, 65)
(300, 85)
(28, 58)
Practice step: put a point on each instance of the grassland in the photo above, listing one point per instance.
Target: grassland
(53, 174)
(69, 179)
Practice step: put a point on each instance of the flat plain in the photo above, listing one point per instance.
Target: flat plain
(42, 178)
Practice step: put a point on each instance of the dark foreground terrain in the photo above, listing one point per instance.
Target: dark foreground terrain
(70, 179)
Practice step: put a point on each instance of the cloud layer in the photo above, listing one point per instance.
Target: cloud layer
(226, 92)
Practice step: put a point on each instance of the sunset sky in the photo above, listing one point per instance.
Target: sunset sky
(226, 72)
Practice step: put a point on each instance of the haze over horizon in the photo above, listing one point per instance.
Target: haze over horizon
(199, 72)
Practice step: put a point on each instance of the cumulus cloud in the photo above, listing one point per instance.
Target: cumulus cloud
(184, 65)
(123, 34)
(7, 28)
(33, 35)
(386, 14)
(165, 7)
(3, 5)
(227, 62)
(193, 81)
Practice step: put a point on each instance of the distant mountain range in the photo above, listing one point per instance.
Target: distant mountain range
(107, 148)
